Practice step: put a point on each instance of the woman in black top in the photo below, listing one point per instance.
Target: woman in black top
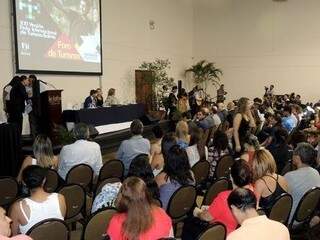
(268, 185)
(242, 124)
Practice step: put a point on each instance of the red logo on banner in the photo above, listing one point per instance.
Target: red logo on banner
(63, 48)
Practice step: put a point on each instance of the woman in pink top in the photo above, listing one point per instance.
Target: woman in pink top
(138, 217)
(219, 210)
(5, 230)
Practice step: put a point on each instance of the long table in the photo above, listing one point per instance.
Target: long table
(105, 115)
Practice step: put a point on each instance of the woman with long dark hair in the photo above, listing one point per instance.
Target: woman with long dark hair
(140, 167)
(176, 173)
(138, 217)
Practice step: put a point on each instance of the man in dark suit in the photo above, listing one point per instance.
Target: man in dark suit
(173, 100)
(35, 114)
(90, 101)
(18, 96)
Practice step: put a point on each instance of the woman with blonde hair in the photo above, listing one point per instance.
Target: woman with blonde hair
(268, 184)
(182, 133)
(111, 98)
(242, 124)
(43, 155)
(138, 217)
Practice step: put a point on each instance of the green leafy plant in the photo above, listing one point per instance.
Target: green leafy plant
(205, 72)
(159, 68)
(159, 78)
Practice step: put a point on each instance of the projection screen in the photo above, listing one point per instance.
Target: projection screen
(58, 36)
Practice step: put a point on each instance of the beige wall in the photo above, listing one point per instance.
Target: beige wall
(127, 41)
(255, 42)
(261, 42)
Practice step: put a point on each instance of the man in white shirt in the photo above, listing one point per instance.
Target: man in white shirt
(305, 177)
(80, 152)
(242, 203)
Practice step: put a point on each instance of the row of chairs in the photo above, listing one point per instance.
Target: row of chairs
(183, 201)
(81, 174)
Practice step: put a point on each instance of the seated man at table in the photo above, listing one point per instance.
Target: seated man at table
(80, 152)
(134, 146)
(91, 101)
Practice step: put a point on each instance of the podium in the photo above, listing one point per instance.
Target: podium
(51, 111)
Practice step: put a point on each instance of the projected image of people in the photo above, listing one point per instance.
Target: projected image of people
(69, 31)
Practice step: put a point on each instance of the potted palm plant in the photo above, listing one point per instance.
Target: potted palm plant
(205, 72)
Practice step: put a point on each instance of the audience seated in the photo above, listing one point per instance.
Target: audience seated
(41, 205)
(268, 184)
(43, 153)
(82, 151)
(140, 167)
(134, 146)
(242, 203)
(197, 150)
(156, 158)
(279, 148)
(305, 177)
(203, 119)
(176, 173)
(138, 217)
(182, 133)
(217, 149)
(219, 211)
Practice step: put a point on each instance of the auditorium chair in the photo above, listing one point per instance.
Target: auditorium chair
(97, 224)
(8, 191)
(81, 174)
(217, 187)
(280, 211)
(180, 204)
(112, 168)
(216, 231)
(104, 182)
(299, 225)
(201, 171)
(75, 198)
(223, 167)
(49, 229)
(52, 181)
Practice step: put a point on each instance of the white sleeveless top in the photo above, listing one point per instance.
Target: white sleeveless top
(40, 211)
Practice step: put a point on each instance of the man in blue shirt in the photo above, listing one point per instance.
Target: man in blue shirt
(288, 121)
(134, 146)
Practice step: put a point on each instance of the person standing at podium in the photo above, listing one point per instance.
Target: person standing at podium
(35, 102)
(18, 96)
